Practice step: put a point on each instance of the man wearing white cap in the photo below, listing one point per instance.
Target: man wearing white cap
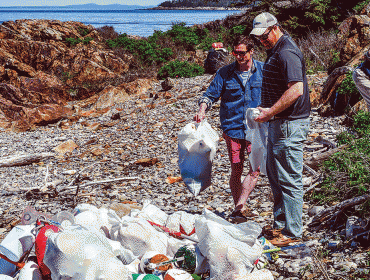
(285, 104)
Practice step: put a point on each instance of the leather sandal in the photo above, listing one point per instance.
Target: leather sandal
(271, 233)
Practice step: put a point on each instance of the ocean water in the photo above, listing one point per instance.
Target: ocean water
(133, 22)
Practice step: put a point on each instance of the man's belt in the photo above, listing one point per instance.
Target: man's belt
(274, 118)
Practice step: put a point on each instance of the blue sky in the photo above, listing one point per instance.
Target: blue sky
(7, 3)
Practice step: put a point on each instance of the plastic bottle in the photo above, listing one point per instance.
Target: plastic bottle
(145, 277)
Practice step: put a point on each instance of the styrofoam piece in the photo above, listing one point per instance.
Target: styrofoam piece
(17, 241)
(30, 272)
(177, 274)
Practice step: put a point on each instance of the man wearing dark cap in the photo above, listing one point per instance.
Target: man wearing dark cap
(285, 104)
(361, 77)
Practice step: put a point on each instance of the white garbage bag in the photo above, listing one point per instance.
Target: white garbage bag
(197, 145)
(92, 218)
(78, 253)
(150, 212)
(256, 133)
(139, 236)
(181, 219)
(230, 249)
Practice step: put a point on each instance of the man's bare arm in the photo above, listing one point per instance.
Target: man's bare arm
(294, 91)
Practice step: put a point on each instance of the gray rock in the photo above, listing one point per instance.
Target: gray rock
(168, 84)
(354, 226)
(313, 211)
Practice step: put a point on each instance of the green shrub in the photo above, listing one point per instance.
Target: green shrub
(177, 68)
(345, 138)
(236, 31)
(83, 31)
(73, 41)
(146, 50)
(358, 8)
(348, 86)
(361, 123)
(184, 36)
(347, 173)
(87, 40)
(66, 76)
(206, 43)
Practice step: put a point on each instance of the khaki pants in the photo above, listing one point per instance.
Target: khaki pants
(362, 82)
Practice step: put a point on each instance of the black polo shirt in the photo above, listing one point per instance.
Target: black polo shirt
(285, 64)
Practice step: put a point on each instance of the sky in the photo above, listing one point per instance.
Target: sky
(7, 3)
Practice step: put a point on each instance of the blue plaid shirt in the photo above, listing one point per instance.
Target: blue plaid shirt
(235, 97)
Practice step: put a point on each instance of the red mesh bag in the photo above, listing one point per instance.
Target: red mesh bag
(40, 246)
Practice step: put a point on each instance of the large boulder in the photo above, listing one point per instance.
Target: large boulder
(40, 71)
(355, 33)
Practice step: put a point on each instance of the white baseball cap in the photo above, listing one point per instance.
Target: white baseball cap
(262, 22)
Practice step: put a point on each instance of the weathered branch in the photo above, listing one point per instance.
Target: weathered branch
(24, 159)
(316, 161)
(99, 182)
(331, 213)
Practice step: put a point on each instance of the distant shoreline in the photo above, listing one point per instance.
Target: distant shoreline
(200, 8)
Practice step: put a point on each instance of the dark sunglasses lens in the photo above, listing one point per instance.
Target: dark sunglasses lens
(263, 36)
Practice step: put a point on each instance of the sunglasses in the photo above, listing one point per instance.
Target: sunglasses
(263, 36)
(241, 53)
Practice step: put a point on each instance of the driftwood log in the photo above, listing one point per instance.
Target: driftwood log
(330, 85)
(315, 161)
(70, 188)
(24, 159)
(330, 215)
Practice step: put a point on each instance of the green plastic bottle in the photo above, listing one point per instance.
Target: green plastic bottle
(145, 277)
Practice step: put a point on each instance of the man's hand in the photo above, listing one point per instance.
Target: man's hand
(264, 116)
(201, 114)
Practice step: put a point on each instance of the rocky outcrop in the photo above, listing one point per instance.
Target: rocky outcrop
(354, 32)
(40, 71)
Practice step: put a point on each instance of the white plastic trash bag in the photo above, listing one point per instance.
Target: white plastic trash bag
(181, 220)
(197, 147)
(256, 133)
(77, 253)
(150, 212)
(138, 236)
(228, 256)
(245, 232)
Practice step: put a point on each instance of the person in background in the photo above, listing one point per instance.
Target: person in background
(217, 57)
(286, 106)
(361, 77)
(239, 87)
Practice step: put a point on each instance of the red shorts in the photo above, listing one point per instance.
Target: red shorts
(236, 148)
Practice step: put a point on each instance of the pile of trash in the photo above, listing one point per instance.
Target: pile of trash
(90, 243)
